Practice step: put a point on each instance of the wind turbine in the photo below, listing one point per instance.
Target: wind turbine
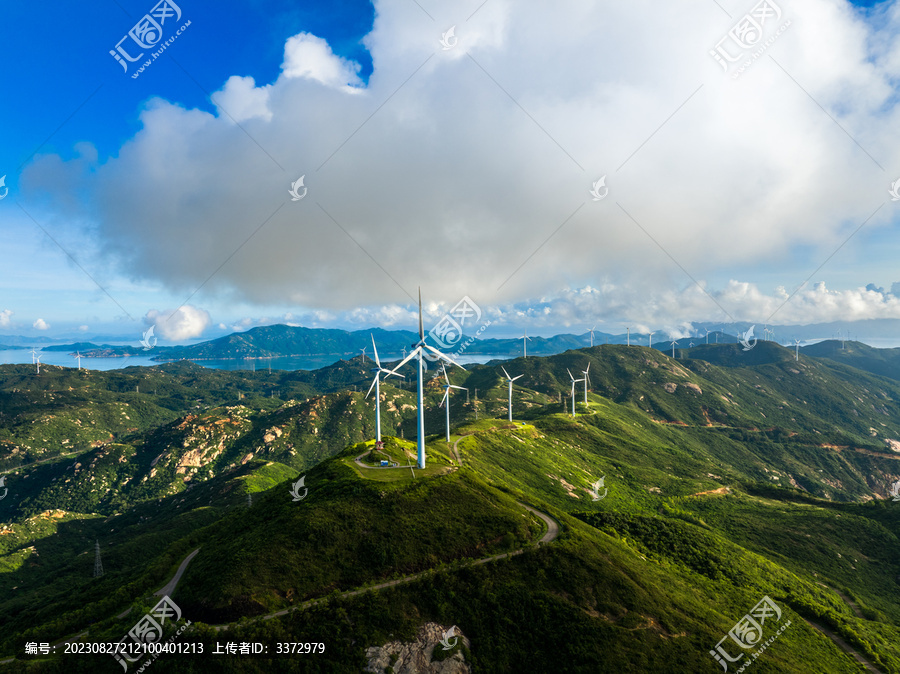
(592, 335)
(650, 340)
(376, 383)
(628, 336)
(797, 350)
(446, 398)
(510, 380)
(418, 353)
(574, 381)
(525, 340)
(78, 356)
(362, 356)
(32, 355)
(674, 342)
(587, 381)
(707, 336)
(39, 363)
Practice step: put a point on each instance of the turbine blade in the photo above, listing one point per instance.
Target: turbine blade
(514, 378)
(377, 374)
(403, 362)
(505, 372)
(444, 399)
(446, 378)
(375, 349)
(588, 368)
(461, 388)
(444, 356)
(388, 373)
(421, 329)
(570, 375)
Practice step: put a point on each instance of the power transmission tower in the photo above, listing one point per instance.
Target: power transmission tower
(98, 565)
(249, 500)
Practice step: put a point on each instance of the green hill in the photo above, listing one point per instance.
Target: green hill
(686, 490)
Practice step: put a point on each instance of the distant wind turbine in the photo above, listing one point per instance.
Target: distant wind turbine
(362, 356)
(574, 381)
(78, 356)
(707, 336)
(592, 335)
(418, 353)
(376, 383)
(797, 350)
(628, 336)
(650, 340)
(39, 363)
(674, 342)
(525, 340)
(510, 380)
(446, 398)
(32, 355)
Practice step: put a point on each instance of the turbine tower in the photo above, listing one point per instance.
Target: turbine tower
(510, 380)
(587, 381)
(98, 565)
(707, 336)
(674, 342)
(628, 336)
(418, 353)
(592, 335)
(525, 340)
(78, 356)
(362, 356)
(32, 355)
(39, 363)
(797, 351)
(376, 384)
(574, 381)
(446, 398)
(650, 341)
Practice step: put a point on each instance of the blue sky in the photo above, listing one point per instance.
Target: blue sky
(462, 162)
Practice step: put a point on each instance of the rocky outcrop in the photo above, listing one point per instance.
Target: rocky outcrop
(396, 657)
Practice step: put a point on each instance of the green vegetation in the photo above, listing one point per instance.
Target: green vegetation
(727, 477)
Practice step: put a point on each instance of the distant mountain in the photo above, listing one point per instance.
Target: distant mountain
(885, 362)
(76, 347)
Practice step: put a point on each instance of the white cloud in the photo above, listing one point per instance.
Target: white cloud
(310, 57)
(5, 318)
(451, 169)
(184, 323)
(40, 324)
(241, 100)
(83, 328)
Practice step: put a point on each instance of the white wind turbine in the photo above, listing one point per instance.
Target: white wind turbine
(628, 336)
(574, 381)
(418, 353)
(587, 381)
(707, 336)
(650, 341)
(39, 363)
(362, 356)
(674, 342)
(510, 380)
(525, 340)
(78, 356)
(376, 384)
(592, 335)
(446, 398)
(32, 355)
(797, 351)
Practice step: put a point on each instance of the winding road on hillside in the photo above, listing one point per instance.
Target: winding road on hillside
(456, 447)
(551, 533)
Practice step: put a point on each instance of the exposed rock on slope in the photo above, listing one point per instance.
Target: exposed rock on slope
(415, 658)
